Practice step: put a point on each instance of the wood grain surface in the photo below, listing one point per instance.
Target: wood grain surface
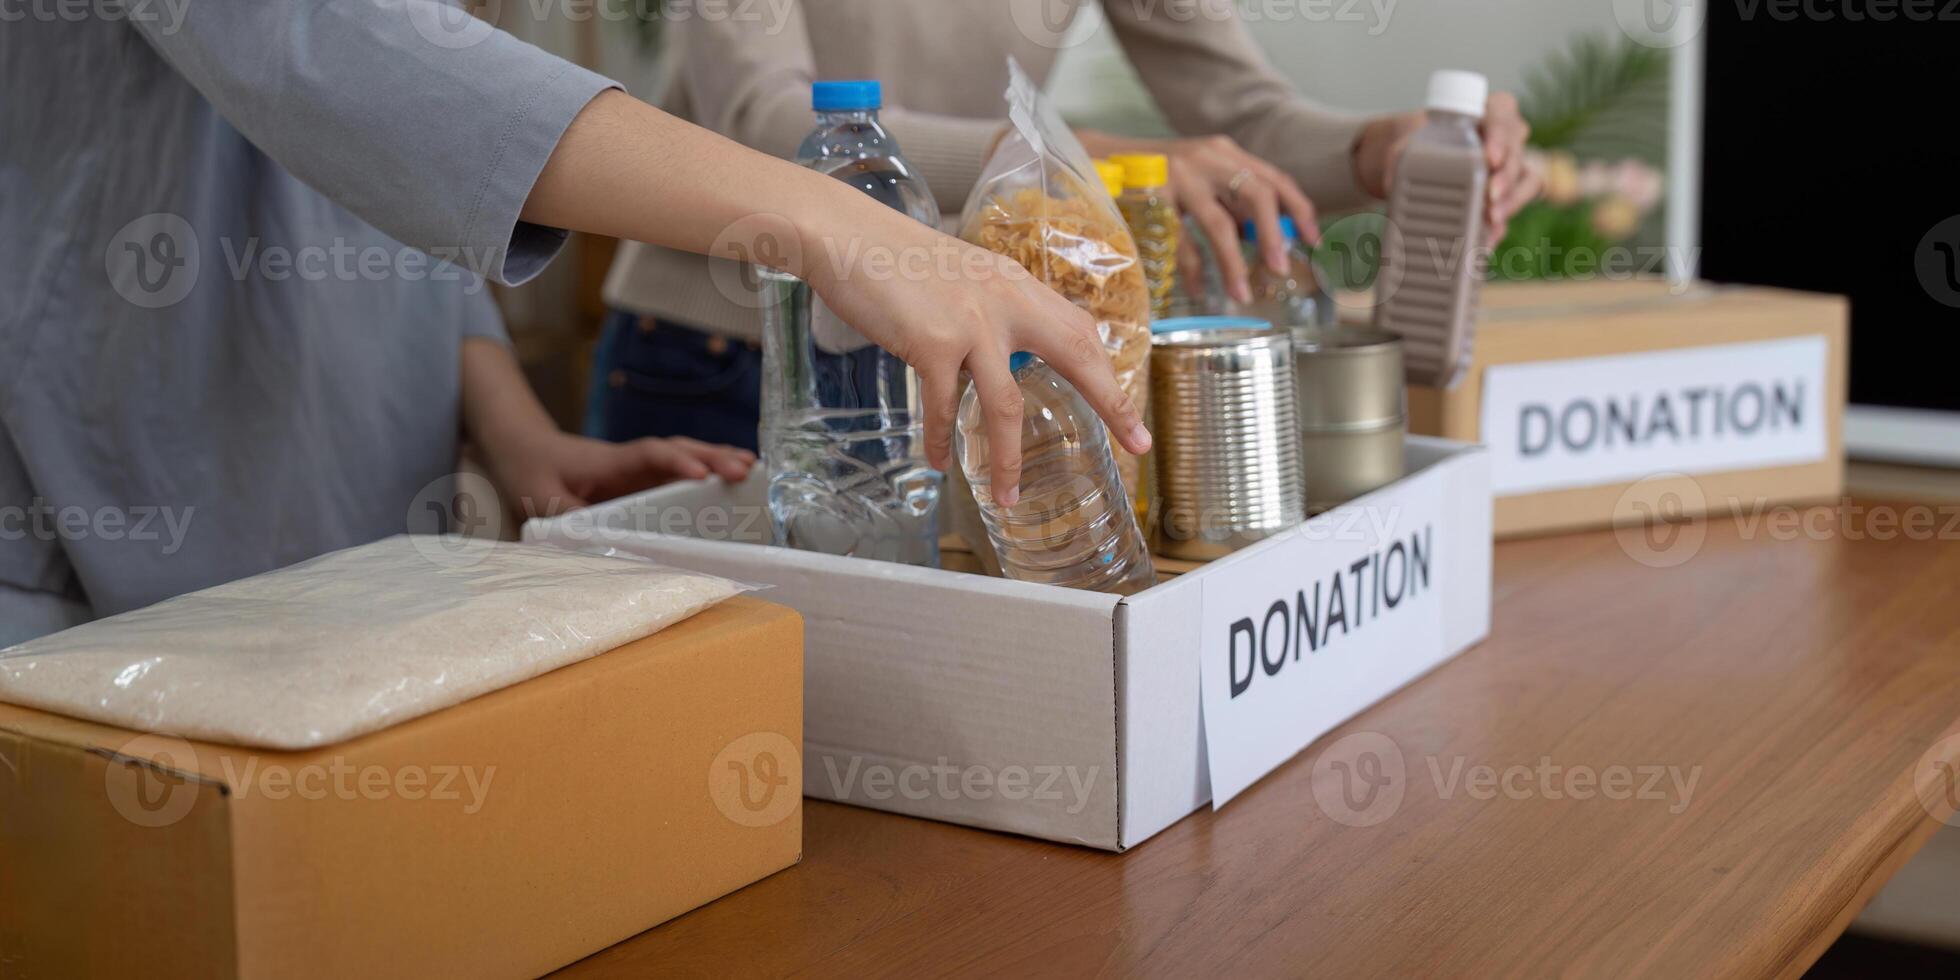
(1800, 678)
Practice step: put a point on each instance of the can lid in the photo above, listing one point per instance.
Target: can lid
(1112, 176)
(1343, 338)
(1458, 91)
(1143, 169)
(850, 95)
(1287, 229)
(1018, 360)
(1172, 324)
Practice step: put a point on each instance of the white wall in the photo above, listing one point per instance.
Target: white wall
(1369, 55)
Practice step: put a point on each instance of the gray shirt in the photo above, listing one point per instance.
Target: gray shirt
(241, 242)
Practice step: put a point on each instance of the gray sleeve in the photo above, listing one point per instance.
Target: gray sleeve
(482, 317)
(430, 125)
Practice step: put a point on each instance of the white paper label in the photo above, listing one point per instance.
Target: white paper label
(1307, 632)
(1587, 421)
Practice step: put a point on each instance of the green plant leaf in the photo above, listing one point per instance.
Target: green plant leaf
(1597, 98)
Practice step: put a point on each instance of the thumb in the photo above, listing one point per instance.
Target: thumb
(547, 499)
(563, 503)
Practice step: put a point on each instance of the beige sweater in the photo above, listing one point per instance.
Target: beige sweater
(943, 64)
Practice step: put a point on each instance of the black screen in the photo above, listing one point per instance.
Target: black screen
(1831, 152)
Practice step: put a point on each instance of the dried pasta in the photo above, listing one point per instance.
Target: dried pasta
(1072, 238)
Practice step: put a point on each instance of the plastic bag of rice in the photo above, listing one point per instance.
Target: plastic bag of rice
(353, 641)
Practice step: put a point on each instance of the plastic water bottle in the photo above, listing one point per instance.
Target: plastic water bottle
(1294, 298)
(1073, 525)
(842, 431)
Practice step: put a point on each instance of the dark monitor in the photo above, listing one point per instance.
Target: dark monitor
(1831, 162)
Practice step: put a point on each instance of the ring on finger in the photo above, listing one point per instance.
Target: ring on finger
(1238, 180)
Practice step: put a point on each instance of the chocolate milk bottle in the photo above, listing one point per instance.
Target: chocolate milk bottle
(1431, 247)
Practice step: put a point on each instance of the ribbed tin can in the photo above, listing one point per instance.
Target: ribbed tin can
(1227, 456)
(1351, 400)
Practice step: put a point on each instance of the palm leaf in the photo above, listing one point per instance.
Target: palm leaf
(1600, 99)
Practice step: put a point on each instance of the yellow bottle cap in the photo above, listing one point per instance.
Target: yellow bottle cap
(1112, 176)
(1144, 169)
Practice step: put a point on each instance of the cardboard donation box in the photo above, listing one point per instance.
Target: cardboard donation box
(1085, 717)
(505, 836)
(1607, 403)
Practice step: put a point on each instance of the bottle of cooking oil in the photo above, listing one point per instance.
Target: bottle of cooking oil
(1111, 175)
(1427, 288)
(1153, 222)
(1073, 525)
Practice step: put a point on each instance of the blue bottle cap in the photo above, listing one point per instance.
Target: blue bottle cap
(1291, 231)
(1172, 324)
(855, 95)
(1018, 360)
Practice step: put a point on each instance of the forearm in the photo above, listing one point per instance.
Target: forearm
(1210, 78)
(498, 404)
(628, 170)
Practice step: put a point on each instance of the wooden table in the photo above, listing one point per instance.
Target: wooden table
(1801, 681)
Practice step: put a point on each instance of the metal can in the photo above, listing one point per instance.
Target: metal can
(1227, 460)
(1351, 400)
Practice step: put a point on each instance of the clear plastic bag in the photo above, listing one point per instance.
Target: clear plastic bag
(1040, 202)
(353, 641)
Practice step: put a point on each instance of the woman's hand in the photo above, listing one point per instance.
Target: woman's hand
(551, 472)
(1512, 183)
(539, 470)
(947, 307)
(1217, 183)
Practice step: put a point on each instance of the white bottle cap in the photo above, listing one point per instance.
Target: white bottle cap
(1458, 91)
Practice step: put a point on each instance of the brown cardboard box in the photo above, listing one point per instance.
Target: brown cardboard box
(1524, 323)
(626, 790)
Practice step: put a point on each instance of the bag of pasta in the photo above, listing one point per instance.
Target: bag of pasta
(1040, 202)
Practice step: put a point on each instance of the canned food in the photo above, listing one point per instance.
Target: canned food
(1342, 464)
(1350, 397)
(1348, 376)
(1227, 460)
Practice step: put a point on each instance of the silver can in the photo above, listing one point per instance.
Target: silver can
(1351, 399)
(1227, 461)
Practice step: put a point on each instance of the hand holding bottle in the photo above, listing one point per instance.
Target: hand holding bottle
(1512, 183)
(970, 311)
(967, 311)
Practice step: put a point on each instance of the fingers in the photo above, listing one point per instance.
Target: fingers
(1294, 201)
(668, 459)
(1504, 130)
(1523, 187)
(731, 463)
(1217, 225)
(1076, 353)
(939, 391)
(1504, 133)
(1000, 403)
(1258, 202)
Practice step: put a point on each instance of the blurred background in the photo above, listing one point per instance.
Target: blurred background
(1597, 101)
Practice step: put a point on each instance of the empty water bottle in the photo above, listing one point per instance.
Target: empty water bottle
(1073, 525)
(842, 433)
(1294, 298)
